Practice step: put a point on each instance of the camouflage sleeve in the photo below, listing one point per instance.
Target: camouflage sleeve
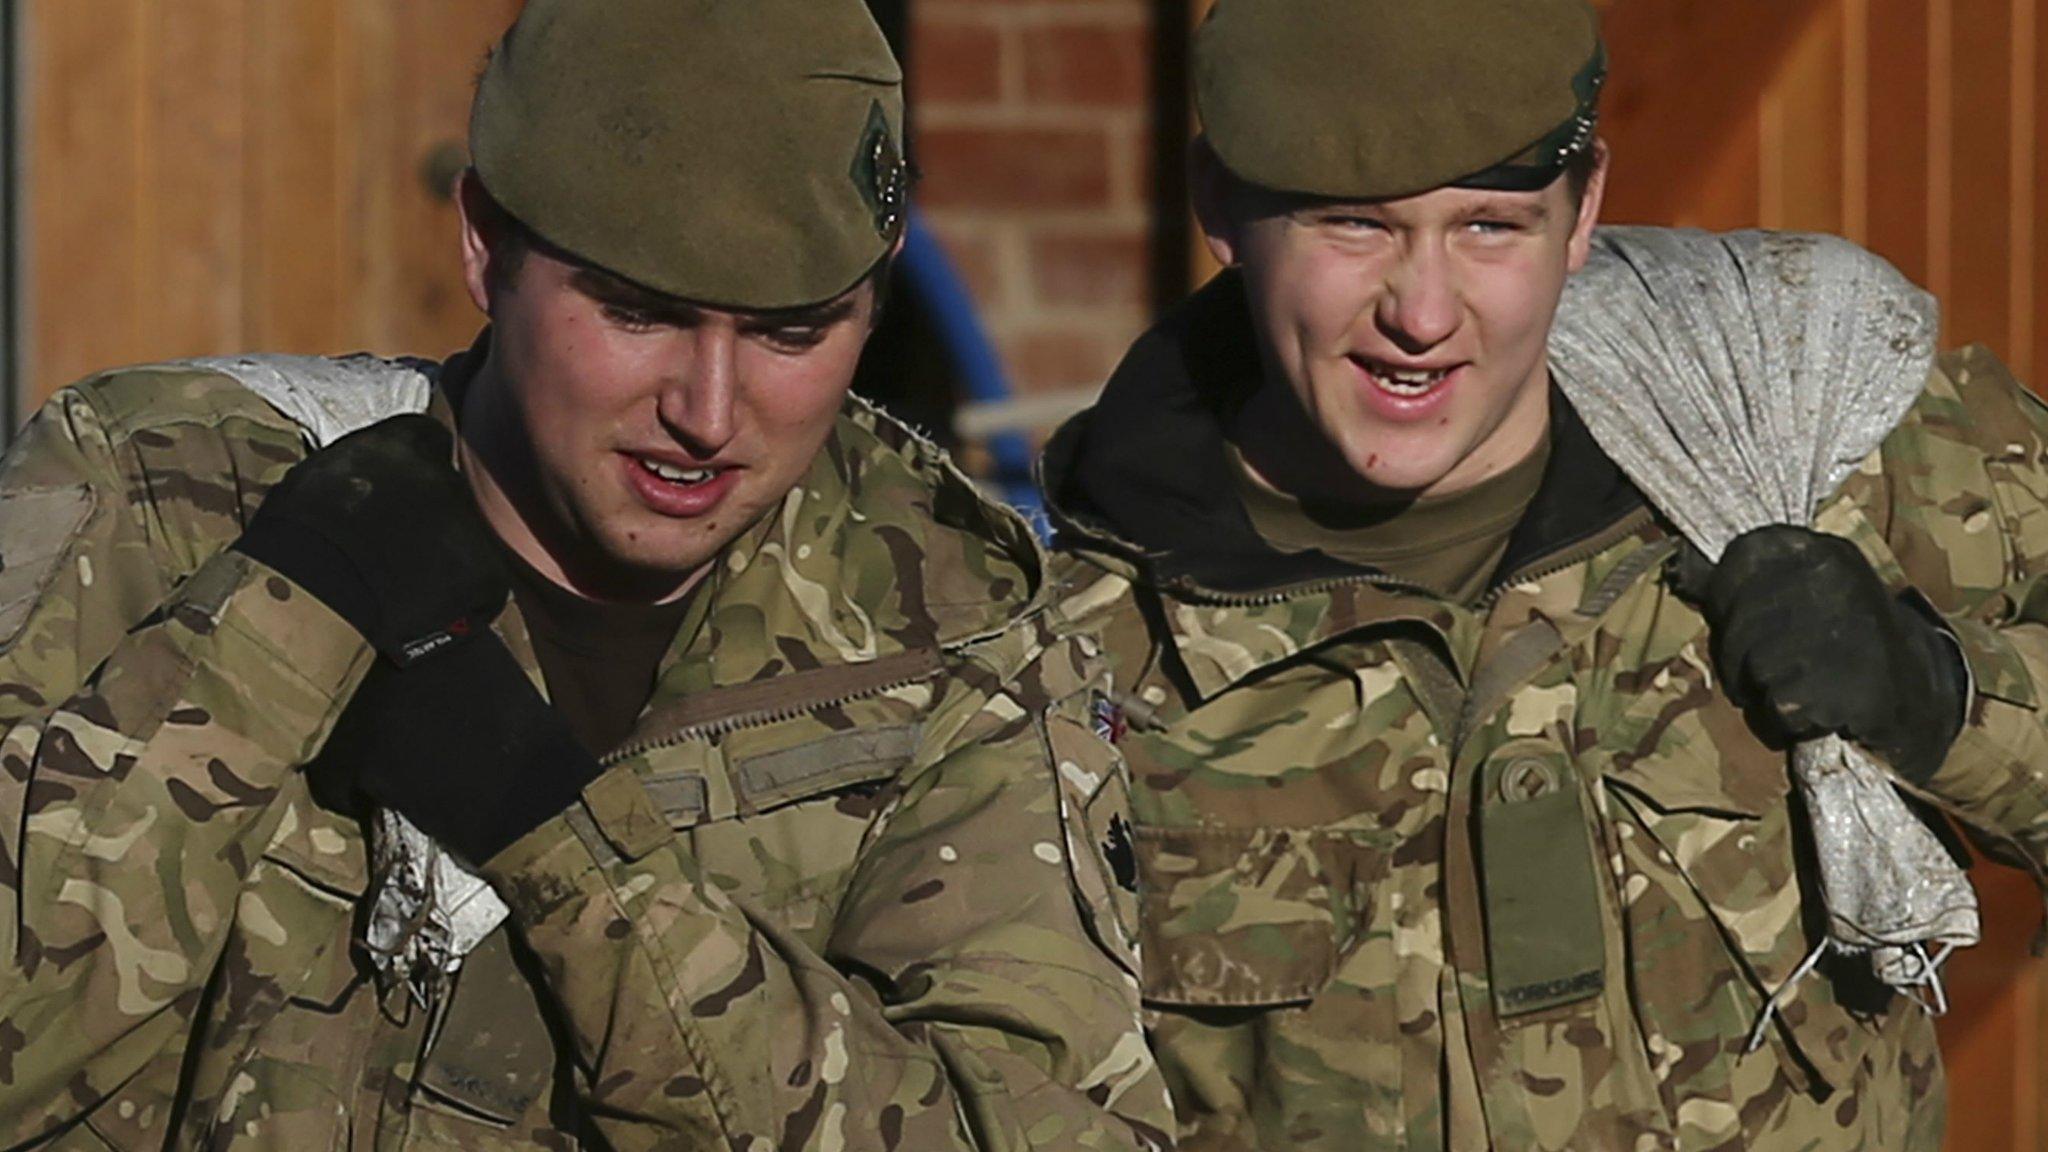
(137, 768)
(1966, 514)
(977, 991)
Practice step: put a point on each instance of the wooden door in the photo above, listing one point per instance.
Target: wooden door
(207, 176)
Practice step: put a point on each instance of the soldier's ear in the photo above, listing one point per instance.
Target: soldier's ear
(1589, 208)
(1215, 194)
(484, 240)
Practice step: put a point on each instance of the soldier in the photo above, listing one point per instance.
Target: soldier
(806, 851)
(1453, 830)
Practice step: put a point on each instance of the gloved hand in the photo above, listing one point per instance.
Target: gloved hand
(1805, 633)
(462, 745)
(383, 531)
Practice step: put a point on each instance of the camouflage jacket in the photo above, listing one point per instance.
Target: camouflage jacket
(842, 889)
(1517, 875)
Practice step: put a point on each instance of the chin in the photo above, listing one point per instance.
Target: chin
(1395, 471)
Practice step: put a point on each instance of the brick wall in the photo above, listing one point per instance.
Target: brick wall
(1033, 130)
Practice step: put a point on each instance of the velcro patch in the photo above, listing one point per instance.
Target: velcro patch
(37, 526)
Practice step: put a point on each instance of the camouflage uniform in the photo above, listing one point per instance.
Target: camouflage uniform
(1329, 772)
(842, 888)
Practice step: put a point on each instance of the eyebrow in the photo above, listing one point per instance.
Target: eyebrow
(1533, 211)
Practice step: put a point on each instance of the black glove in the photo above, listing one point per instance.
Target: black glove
(383, 531)
(1805, 634)
(462, 745)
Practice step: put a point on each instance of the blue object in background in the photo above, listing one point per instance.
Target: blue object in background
(938, 289)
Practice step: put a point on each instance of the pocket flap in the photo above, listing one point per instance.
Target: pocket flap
(771, 779)
(1242, 917)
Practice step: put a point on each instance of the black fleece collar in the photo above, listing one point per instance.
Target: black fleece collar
(1144, 475)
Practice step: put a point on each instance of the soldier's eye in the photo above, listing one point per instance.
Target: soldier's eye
(630, 318)
(795, 339)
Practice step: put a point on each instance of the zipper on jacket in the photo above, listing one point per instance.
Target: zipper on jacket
(861, 682)
(1575, 554)
(1183, 586)
(1572, 556)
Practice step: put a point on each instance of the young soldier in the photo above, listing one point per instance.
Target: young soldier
(835, 881)
(1448, 834)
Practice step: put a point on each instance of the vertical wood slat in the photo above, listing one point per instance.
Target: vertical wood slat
(217, 175)
(1855, 131)
(1977, 300)
(296, 265)
(2024, 224)
(1989, 1044)
(1940, 146)
(83, 187)
(434, 82)
(1801, 121)
(195, 97)
(2037, 207)
(1897, 133)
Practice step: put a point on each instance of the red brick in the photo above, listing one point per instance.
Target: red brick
(1081, 269)
(1050, 359)
(1014, 167)
(955, 62)
(1096, 64)
(978, 260)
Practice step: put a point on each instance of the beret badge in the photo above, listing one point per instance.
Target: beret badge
(881, 174)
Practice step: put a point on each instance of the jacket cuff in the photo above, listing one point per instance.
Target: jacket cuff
(1995, 672)
(614, 821)
(1995, 667)
(272, 635)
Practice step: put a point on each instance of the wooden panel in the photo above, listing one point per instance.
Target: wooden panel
(1680, 129)
(208, 176)
(1801, 121)
(191, 153)
(296, 265)
(428, 309)
(1991, 1039)
(1896, 132)
(85, 299)
(1976, 298)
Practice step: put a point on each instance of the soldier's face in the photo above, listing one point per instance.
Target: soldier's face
(1412, 332)
(653, 432)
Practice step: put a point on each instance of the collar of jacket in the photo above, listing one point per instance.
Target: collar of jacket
(882, 557)
(1141, 482)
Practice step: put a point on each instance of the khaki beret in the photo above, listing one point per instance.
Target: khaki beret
(1373, 99)
(743, 154)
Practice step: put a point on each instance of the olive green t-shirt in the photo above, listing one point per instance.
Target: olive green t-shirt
(1450, 545)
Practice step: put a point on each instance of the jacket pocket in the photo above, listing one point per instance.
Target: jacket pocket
(1247, 917)
(1706, 862)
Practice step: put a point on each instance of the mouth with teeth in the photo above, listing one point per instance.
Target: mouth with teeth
(1404, 382)
(689, 477)
(671, 490)
(1406, 393)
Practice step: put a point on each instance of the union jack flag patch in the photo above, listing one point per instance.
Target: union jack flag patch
(1107, 718)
